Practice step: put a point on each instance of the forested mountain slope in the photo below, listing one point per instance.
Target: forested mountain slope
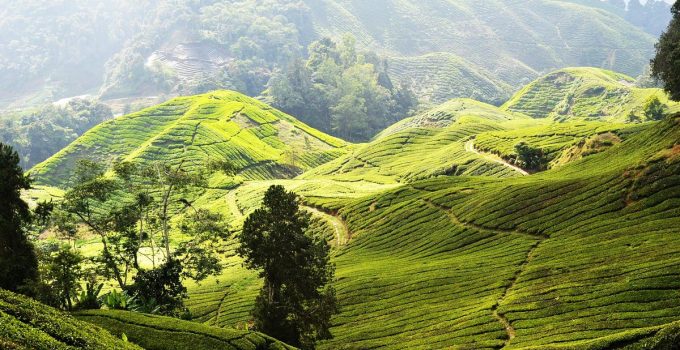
(488, 48)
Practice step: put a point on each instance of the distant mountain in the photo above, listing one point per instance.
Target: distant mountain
(443, 49)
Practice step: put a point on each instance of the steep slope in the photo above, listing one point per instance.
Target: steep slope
(429, 144)
(262, 142)
(27, 324)
(165, 333)
(582, 93)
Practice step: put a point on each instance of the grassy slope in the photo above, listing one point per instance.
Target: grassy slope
(262, 142)
(582, 93)
(165, 333)
(27, 324)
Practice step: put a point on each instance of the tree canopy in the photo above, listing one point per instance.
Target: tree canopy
(666, 63)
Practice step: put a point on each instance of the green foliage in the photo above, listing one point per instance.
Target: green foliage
(62, 273)
(38, 135)
(132, 211)
(115, 300)
(18, 261)
(89, 297)
(27, 324)
(161, 286)
(654, 109)
(295, 305)
(529, 157)
(340, 91)
(664, 64)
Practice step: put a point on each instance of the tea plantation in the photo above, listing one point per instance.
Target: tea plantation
(163, 333)
(27, 324)
(262, 142)
(438, 244)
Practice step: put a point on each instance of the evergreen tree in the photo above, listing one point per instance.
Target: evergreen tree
(18, 261)
(666, 64)
(295, 304)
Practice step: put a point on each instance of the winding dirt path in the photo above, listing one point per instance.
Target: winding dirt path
(470, 147)
(342, 234)
(233, 206)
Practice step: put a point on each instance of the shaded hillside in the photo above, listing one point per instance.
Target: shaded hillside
(165, 333)
(261, 142)
(27, 324)
(583, 93)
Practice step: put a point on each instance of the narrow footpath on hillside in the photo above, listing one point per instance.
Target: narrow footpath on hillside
(538, 239)
(470, 147)
(342, 234)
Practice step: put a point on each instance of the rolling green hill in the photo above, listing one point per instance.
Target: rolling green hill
(262, 142)
(422, 146)
(582, 93)
(166, 333)
(27, 324)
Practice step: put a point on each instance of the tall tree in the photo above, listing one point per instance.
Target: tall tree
(296, 302)
(18, 261)
(666, 63)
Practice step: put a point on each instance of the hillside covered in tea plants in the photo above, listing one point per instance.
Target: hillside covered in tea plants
(260, 141)
(441, 235)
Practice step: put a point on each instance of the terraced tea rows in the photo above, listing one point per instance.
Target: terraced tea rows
(583, 93)
(27, 324)
(158, 332)
(263, 143)
(555, 138)
(438, 77)
(580, 257)
(423, 146)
